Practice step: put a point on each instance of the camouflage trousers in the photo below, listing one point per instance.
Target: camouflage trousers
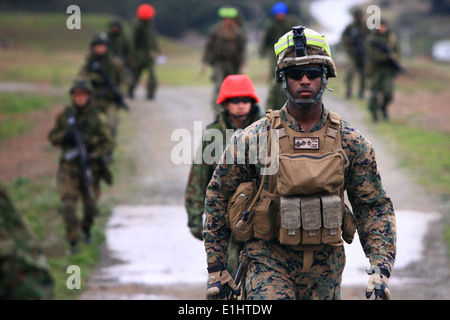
(356, 67)
(141, 64)
(275, 272)
(381, 92)
(71, 188)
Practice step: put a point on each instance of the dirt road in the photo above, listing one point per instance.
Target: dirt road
(150, 254)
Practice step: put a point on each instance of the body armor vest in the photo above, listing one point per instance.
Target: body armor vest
(304, 203)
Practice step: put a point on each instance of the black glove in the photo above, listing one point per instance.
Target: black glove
(69, 139)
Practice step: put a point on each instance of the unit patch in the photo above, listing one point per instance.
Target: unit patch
(306, 143)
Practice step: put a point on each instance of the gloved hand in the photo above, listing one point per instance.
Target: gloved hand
(195, 225)
(69, 139)
(219, 281)
(378, 283)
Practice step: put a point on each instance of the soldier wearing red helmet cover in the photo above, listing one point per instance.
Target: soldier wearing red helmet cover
(145, 49)
(239, 100)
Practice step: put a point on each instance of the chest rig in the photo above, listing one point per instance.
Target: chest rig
(303, 205)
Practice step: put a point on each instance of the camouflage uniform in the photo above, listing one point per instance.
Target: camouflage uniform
(275, 270)
(354, 38)
(273, 31)
(120, 47)
(225, 52)
(144, 49)
(199, 177)
(382, 73)
(97, 138)
(103, 95)
(24, 273)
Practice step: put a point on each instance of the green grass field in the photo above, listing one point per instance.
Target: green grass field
(43, 50)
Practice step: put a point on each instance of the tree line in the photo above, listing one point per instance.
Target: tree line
(173, 17)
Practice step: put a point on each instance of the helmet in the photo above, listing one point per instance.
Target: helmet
(317, 51)
(237, 85)
(228, 12)
(101, 38)
(299, 47)
(279, 7)
(81, 83)
(145, 11)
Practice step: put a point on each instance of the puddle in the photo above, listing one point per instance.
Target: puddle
(156, 247)
(411, 230)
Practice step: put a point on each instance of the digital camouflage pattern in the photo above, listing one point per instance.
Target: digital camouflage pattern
(372, 208)
(24, 273)
(97, 138)
(145, 48)
(199, 177)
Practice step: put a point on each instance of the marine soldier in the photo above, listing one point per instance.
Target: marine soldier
(81, 132)
(291, 210)
(383, 67)
(24, 272)
(225, 49)
(145, 49)
(276, 27)
(354, 40)
(107, 76)
(239, 100)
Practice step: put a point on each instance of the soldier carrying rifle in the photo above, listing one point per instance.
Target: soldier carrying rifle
(81, 132)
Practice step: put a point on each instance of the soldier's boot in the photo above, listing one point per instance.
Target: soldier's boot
(385, 113)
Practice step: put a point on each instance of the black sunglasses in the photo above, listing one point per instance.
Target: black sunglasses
(236, 100)
(298, 72)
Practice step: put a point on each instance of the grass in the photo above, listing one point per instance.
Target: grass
(14, 105)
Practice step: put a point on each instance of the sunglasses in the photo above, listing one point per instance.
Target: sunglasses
(236, 100)
(297, 73)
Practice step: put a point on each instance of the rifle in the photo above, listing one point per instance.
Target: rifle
(80, 152)
(241, 272)
(393, 62)
(117, 95)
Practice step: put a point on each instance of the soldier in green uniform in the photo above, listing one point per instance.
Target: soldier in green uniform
(72, 182)
(275, 28)
(145, 48)
(384, 53)
(119, 45)
(24, 272)
(225, 49)
(240, 109)
(354, 40)
(291, 210)
(107, 76)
